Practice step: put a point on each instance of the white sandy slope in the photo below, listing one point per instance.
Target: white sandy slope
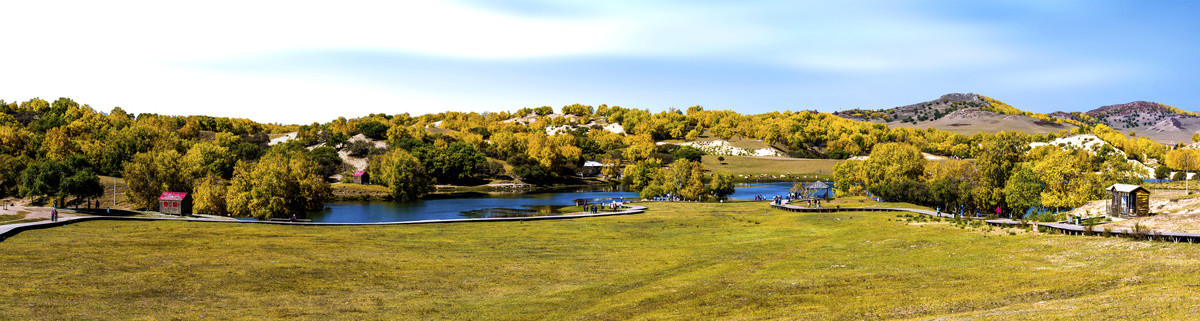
(1093, 143)
(724, 148)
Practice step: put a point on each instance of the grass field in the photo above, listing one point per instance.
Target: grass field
(676, 261)
(746, 165)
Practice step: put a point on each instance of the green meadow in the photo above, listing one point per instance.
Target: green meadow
(695, 261)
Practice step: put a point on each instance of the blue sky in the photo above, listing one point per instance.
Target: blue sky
(301, 61)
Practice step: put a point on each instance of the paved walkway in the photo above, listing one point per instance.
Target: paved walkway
(9, 230)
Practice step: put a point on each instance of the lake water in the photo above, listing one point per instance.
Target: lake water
(497, 205)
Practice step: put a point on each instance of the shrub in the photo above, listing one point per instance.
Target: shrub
(373, 129)
(1162, 172)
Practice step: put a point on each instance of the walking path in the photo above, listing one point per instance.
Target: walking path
(9, 230)
(1069, 229)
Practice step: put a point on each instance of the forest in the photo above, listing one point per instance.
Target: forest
(54, 152)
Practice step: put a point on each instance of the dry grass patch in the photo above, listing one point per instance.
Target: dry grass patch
(754, 165)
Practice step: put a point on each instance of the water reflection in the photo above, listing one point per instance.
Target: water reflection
(483, 205)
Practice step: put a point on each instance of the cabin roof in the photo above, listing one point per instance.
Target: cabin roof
(592, 164)
(817, 185)
(359, 173)
(1125, 188)
(172, 196)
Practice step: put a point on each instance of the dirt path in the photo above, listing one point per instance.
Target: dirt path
(37, 212)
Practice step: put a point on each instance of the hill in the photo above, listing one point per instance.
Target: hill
(1160, 122)
(964, 114)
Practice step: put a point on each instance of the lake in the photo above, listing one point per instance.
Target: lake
(498, 205)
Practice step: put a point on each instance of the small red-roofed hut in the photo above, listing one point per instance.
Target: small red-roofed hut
(175, 203)
(361, 177)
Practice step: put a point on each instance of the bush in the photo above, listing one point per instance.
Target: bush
(533, 174)
(1162, 172)
(688, 153)
(359, 148)
(1179, 176)
(373, 129)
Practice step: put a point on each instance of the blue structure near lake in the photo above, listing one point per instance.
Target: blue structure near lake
(818, 189)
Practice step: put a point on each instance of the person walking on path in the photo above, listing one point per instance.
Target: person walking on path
(54, 215)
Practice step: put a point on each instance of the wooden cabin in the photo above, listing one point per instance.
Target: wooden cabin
(175, 203)
(1128, 201)
(361, 177)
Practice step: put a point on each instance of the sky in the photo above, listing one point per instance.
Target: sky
(312, 61)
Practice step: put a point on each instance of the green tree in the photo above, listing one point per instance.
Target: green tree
(210, 196)
(638, 176)
(997, 157)
(150, 174)
(688, 153)
(1162, 172)
(893, 170)
(851, 177)
(1068, 176)
(722, 184)
(951, 183)
(60, 179)
(577, 109)
(373, 129)
(455, 163)
(543, 111)
(686, 179)
(1184, 159)
(205, 159)
(10, 173)
(1023, 190)
(328, 160)
(277, 185)
(402, 173)
(555, 152)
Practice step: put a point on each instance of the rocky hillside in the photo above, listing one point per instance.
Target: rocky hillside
(919, 112)
(962, 113)
(1160, 122)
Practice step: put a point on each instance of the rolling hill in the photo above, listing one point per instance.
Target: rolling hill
(972, 113)
(964, 114)
(1160, 122)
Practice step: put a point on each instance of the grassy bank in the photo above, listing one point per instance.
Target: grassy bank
(676, 261)
(358, 192)
(746, 165)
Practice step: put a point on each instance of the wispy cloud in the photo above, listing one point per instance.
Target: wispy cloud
(311, 61)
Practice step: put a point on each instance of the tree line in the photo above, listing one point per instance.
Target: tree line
(54, 149)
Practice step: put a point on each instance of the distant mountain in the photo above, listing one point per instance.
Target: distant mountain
(964, 114)
(1160, 122)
